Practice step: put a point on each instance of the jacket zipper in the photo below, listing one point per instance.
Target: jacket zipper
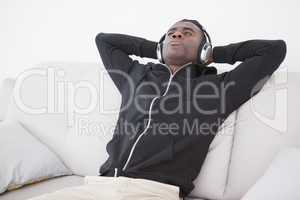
(149, 115)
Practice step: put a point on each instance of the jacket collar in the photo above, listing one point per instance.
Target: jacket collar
(191, 70)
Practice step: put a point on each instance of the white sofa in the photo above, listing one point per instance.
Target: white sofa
(239, 156)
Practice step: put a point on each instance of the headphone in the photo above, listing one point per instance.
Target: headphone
(204, 50)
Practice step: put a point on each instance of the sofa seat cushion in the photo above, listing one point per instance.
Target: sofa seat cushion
(50, 185)
(42, 187)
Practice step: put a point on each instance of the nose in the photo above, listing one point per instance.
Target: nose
(177, 34)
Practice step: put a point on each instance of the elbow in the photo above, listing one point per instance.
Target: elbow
(279, 49)
(99, 38)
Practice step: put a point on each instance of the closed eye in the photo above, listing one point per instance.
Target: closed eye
(188, 33)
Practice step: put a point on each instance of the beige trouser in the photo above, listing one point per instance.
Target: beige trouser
(115, 188)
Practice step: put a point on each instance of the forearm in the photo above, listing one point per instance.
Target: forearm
(260, 58)
(115, 49)
(272, 49)
(130, 45)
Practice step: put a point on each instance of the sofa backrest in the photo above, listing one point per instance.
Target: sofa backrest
(6, 88)
(53, 101)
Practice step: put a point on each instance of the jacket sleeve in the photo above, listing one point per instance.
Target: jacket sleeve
(260, 58)
(115, 49)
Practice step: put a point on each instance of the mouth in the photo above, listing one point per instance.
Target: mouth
(175, 43)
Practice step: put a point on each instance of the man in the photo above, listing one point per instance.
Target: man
(171, 111)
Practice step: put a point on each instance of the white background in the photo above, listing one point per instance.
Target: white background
(34, 31)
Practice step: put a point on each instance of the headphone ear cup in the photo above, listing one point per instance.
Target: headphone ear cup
(159, 49)
(199, 54)
(205, 53)
(159, 52)
(205, 49)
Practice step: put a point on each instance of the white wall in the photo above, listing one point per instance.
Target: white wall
(34, 31)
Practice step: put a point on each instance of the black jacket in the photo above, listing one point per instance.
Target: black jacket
(167, 121)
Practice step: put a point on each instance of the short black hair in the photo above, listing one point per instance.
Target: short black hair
(194, 22)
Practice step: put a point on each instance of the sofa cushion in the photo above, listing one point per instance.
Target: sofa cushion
(281, 181)
(265, 124)
(24, 159)
(48, 186)
(212, 179)
(71, 107)
(42, 187)
(6, 88)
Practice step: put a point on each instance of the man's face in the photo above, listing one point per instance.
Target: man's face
(181, 43)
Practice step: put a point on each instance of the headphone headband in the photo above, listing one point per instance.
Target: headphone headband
(206, 35)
